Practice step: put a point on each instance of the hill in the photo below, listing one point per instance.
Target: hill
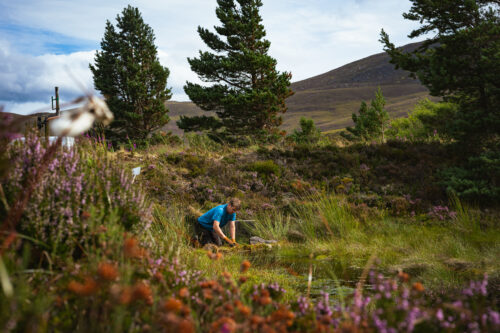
(332, 97)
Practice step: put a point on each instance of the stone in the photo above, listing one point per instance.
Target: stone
(296, 236)
(257, 240)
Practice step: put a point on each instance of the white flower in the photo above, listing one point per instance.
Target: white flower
(75, 122)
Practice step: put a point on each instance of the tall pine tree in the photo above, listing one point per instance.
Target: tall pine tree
(460, 61)
(129, 75)
(248, 93)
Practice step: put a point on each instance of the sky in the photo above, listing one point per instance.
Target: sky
(48, 43)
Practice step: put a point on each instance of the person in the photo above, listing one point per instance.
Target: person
(210, 224)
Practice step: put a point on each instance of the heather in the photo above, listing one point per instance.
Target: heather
(97, 250)
(79, 192)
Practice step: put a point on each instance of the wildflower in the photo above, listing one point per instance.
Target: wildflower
(404, 277)
(142, 291)
(282, 314)
(184, 292)
(214, 256)
(265, 300)
(185, 326)
(418, 286)
(85, 215)
(159, 277)
(226, 275)
(224, 324)
(173, 305)
(243, 279)
(88, 288)
(76, 122)
(245, 265)
(126, 296)
(207, 293)
(107, 271)
(132, 249)
(244, 310)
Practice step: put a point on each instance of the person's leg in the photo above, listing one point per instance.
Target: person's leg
(201, 234)
(216, 238)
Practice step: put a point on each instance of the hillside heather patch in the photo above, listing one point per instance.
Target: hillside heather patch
(79, 189)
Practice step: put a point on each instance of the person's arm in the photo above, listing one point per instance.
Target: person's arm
(219, 232)
(232, 230)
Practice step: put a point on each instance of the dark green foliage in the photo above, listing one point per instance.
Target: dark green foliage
(372, 122)
(460, 62)
(308, 133)
(129, 75)
(248, 93)
(198, 124)
(478, 180)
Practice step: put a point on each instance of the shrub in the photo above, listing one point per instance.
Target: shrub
(308, 134)
(77, 192)
(478, 179)
(264, 168)
(427, 121)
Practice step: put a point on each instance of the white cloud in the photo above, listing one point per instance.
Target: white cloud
(307, 38)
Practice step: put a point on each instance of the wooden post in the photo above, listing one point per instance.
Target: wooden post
(57, 101)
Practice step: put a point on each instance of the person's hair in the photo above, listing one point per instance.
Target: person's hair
(235, 203)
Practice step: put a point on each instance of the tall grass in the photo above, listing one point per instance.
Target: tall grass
(273, 225)
(170, 227)
(325, 216)
(201, 143)
(466, 219)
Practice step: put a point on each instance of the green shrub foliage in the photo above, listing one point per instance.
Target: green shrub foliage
(308, 133)
(426, 122)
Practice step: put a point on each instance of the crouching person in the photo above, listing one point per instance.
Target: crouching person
(210, 224)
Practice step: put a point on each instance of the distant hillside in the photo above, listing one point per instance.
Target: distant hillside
(332, 97)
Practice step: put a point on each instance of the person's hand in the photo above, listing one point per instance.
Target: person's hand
(229, 241)
(234, 242)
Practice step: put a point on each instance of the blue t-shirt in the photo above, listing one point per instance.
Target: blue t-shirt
(218, 213)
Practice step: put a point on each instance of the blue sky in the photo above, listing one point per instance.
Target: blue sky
(41, 41)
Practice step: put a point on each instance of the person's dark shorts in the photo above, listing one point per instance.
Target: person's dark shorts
(205, 236)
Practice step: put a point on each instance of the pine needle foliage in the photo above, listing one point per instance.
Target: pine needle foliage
(459, 61)
(248, 93)
(128, 73)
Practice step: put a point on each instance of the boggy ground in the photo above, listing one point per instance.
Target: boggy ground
(339, 205)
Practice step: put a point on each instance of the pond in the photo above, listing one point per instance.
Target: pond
(328, 274)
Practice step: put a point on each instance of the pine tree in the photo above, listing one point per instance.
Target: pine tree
(129, 75)
(371, 122)
(460, 62)
(248, 93)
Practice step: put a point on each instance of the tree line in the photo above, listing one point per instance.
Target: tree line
(459, 61)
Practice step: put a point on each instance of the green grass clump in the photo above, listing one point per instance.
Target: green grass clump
(264, 168)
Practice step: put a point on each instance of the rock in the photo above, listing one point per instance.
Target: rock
(257, 240)
(296, 236)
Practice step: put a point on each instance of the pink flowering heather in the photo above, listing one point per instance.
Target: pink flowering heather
(58, 211)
